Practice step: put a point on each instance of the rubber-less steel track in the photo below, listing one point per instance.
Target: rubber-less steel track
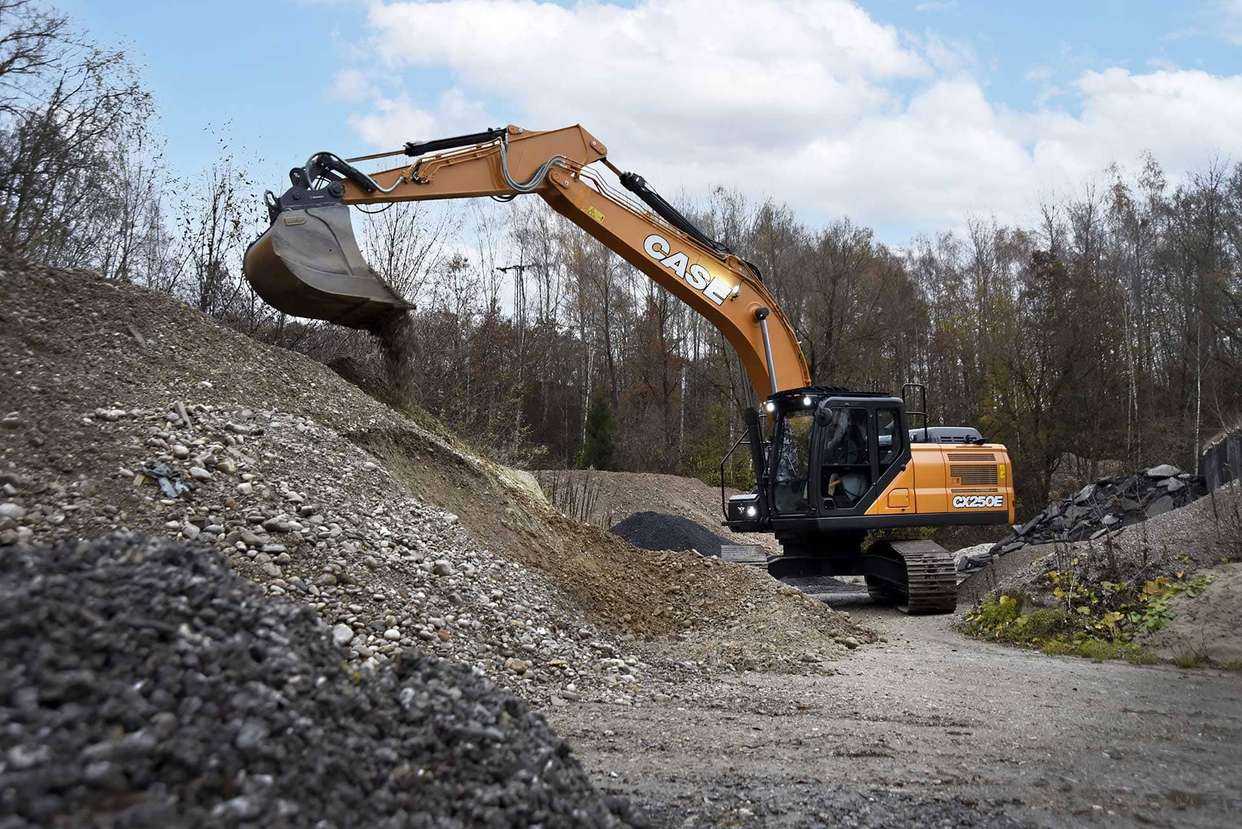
(931, 582)
(918, 576)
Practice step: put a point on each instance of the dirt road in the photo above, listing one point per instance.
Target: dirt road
(931, 729)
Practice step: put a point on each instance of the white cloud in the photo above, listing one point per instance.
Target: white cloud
(352, 85)
(811, 101)
(1231, 18)
(394, 120)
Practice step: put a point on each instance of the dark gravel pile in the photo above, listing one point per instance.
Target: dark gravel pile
(143, 683)
(661, 531)
(1100, 508)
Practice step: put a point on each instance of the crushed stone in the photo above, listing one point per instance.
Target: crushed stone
(143, 683)
(661, 531)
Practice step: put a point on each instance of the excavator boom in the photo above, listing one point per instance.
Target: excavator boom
(309, 264)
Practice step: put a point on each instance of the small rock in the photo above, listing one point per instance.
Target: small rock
(518, 666)
(200, 474)
(392, 635)
(342, 635)
(26, 756)
(12, 510)
(180, 451)
(443, 568)
(1164, 470)
(245, 487)
(12, 420)
(190, 531)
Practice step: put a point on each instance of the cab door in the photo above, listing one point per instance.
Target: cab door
(846, 457)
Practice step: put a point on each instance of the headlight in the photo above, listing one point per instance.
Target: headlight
(751, 512)
(806, 401)
(769, 407)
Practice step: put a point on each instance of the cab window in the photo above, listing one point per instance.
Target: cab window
(889, 437)
(793, 449)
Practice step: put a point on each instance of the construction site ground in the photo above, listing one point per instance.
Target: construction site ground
(706, 692)
(929, 728)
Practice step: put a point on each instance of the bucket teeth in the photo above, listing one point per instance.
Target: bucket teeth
(308, 264)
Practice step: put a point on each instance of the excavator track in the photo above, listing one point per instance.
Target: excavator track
(919, 577)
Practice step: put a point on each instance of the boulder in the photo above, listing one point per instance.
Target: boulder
(1159, 506)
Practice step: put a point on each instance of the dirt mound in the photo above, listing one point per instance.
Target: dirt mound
(145, 684)
(1204, 627)
(607, 498)
(128, 410)
(660, 531)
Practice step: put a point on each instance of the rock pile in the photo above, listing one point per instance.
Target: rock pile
(143, 683)
(661, 531)
(328, 528)
(1097, 510)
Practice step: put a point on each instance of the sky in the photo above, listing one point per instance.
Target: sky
(911, 117)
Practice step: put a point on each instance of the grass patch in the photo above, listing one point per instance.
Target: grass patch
(1099, 650)
(1190, 659)
(1052, 630)
(1093, 618)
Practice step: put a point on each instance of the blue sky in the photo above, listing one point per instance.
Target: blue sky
(1041, 91)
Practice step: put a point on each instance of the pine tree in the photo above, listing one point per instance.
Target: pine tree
(600, 448)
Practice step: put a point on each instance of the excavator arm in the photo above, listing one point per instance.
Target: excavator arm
(309, 264)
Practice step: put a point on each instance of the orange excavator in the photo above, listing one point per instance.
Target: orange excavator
(831, 465)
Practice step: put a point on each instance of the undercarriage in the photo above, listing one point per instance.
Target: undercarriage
(914, 575)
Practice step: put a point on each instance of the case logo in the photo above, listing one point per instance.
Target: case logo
(696, 276)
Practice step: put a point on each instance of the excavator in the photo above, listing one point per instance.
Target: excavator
(843, 479)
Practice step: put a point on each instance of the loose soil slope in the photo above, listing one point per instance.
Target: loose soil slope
(325, 495)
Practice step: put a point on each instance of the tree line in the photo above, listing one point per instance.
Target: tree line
(1107, 332)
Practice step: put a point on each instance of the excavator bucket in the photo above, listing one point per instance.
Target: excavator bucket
(308, 264)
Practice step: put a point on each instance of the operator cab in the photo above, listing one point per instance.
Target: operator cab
(830, 453)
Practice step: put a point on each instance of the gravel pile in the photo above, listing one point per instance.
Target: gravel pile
(127, 411)
(296, 507)
(661, 531)
(1099, 509)
(142, 683)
